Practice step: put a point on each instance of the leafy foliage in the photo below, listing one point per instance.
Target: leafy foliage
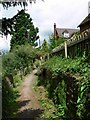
(16, 63)
(59, 41)
(19, 59)
(54, 43)
(74, 66)
(53, 80)
(8, 64)
(6, 26)
(49, 109)
(23, 30)
(9, 105)
(45, 46)
(17, 3)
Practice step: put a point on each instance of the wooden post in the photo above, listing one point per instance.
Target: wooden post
(39, 42)
(65, 49)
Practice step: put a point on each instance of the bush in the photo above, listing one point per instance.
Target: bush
(75, 74)
(20, 60)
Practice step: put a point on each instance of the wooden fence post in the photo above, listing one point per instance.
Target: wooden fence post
(65, 49)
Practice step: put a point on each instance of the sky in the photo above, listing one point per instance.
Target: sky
(65, 13)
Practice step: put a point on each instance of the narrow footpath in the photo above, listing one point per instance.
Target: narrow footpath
(28, 100)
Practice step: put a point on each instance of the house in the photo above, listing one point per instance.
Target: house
(85, 24)
(63, 32)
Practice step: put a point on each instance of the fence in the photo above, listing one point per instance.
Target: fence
(75, 46)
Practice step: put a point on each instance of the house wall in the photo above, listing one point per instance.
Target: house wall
(84, 27)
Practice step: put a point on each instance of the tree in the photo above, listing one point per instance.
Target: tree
(19, 60)
(6, 26)
(24, 56)
(21, 3)
(45, 46)
(23, 30)
(52, 44)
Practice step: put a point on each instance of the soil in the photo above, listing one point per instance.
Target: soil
(28, 100)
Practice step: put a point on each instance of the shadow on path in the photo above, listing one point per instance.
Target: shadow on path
(28, 103)
(23, 103)
(32, 114)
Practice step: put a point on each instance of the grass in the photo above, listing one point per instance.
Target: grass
(49, 109)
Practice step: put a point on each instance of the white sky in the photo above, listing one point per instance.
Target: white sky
(65, 13)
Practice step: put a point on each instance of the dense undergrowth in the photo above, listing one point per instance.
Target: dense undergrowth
(67, 82)
(15, 65)
(9, 96)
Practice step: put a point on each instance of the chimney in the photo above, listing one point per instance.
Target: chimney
(54, 30)
(88, 7)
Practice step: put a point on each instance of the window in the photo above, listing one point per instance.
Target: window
(66, 35)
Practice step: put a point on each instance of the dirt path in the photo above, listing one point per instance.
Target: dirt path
(29, 105)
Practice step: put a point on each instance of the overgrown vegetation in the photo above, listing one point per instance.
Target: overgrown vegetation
(67, 80)
(19, 61)
(54, 43)
(58, 75)
(16, 64)
(9, 96)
